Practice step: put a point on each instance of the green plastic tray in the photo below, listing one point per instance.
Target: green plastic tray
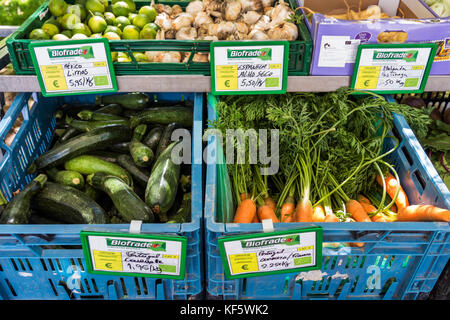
(300, 51)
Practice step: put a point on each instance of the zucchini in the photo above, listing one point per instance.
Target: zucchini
(128, 204)
(35, 218)
(185, 182)
(106, 155)
(134, 100)
(183, 213)
(97, 116)
(85, 126)
(92, 193)
(164, 115)
(166, 138)
(139, 132)
(162, 185)
(153, 137)
(129, 113)
(69, 205)
(66, 177)
(18, 210)
(82, 144)
(123, 147)
(87, 164)
(141, 154)
(139, 176)
(112, 108)
(68, 133)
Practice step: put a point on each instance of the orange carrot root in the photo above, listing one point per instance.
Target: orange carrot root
(245, 212)
(287, 210)
(357, 211)
(303, 211)
(266, 212)
(331, 217)
(269, 202)
(423, 212)
(391, 188)
(318, 214)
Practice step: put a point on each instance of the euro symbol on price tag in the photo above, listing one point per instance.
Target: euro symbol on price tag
(367, 83)
(55, 83)
(108, 265)
(245, 267)
(227, 83)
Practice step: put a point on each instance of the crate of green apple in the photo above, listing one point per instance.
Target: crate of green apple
(175, 36)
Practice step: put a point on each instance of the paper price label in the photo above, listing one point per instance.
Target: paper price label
(269, 253)
(126, 254)
(393, 68)
(73, 67)
(249, 67)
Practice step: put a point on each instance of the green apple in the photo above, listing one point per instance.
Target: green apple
(78, 10)
(111, 36)
(79, 36)
(121, 22)
(148, 33)
(114, 29)
(60, 37)
(109, 17)
(121, 8)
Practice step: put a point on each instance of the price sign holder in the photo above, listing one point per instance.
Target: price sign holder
(139, 255)
(254, 255)
(249, 67)
(393, 68)
(73, 67)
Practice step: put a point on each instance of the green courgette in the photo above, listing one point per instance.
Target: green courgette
(18, 210)
(162, 185)
(98, 116)
(112, 108)
(122, 147)
(139, 132)
(66, 177)
(134, 100)
(139, 175)
(86, 126)
(35, 218)
(164, 115)
(141, 154)
(183, 213)
(166, 138)
(68, 133)
(69, 205)
(87, 164)
(152, 138)
(127, 202)
(92, 193)
(83, 143)
(106, 155)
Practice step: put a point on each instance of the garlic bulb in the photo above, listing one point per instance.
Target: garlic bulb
(160, 35)
(212, 5)
(268, 11)
(195, 7)
(258, 35)
(231, 10)
(213, 29)
(163, 21)
(285, 31)
(241, 27)
(176, 10)
(225, 29)
(202, 32)
(202, 19)
(159, 7)
(251, 17)
(262, 24)
(280, 13)
(170, 34)
(198, 57)
(186, 33)
(182, 20)
(267, 3)
(211, 38)
(248, 5)
(151, 55)
(169, 57)
(240, 36)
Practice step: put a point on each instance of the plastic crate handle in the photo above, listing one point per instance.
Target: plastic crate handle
(11, 115)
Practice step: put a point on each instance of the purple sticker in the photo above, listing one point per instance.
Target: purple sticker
(447, 43)
(363, 36)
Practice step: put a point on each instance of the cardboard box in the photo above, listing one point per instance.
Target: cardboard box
(336, 40)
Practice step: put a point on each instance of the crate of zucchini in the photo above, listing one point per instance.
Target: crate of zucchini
(63, 174)
(366, 255)
(183, 48)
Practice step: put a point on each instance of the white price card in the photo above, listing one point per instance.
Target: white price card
(271, 253)
(134, 254)
(73, 66)
(393, 68)
(249, 67)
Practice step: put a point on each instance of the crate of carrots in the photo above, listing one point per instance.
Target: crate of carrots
(341, 159)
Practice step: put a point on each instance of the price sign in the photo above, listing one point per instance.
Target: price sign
(249, 67)
(134, 254)
(73, 67)
(393, 68)
(254, 255)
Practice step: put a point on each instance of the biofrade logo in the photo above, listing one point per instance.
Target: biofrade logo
(85, 52)
(263, 54)
(152, 245)
(283, 240)
(408, 56)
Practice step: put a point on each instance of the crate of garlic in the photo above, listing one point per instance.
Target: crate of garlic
(174, 38)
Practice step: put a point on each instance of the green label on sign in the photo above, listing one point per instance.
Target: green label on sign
(409, 56)
(263, 54)
(85, 52)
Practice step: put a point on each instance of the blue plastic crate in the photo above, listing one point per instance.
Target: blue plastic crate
(46, 261)
(406, 257)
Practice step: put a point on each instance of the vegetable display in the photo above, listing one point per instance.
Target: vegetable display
(332, 160)
(207, 20)
(440, 7)
(81, 181)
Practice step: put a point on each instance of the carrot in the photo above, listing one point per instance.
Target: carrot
(423, 212)
(269, 202)
(266, 212)
(255, 219)
(360, 198)
(244, 196)
(357, 211)
(303, 211)
(379, 217)
(245, 212)
(287, 210)
(331, 217)
(391, 188)
(318, 214)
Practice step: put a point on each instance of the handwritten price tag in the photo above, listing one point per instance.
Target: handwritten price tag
(249, 67)
(126, 254)
(269, 253)
(73, 67)
(393, 68)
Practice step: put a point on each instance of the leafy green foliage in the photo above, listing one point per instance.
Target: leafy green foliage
(15, 12)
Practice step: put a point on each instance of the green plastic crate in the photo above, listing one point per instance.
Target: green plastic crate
(300, 51)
